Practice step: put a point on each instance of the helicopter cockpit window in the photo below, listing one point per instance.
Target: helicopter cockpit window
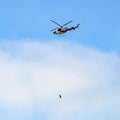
(59, 29)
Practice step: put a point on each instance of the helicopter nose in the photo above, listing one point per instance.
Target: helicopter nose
(54, 32)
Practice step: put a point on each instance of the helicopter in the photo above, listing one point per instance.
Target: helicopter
(62, 29)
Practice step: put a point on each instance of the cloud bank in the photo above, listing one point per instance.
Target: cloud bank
(33, 74)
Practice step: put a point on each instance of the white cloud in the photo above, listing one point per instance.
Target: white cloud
(34, 73)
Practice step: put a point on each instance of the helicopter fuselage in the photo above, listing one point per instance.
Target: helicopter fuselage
(60, 30)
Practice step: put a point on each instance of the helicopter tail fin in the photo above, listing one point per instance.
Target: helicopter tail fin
(77, 25)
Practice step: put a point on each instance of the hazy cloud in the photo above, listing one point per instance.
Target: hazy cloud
(33, 74)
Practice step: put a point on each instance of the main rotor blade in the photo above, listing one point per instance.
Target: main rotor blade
(67, 23)
(55, 23)
(53, 29)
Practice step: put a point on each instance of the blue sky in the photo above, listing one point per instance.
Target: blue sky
(36, 65)
(31, 19)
